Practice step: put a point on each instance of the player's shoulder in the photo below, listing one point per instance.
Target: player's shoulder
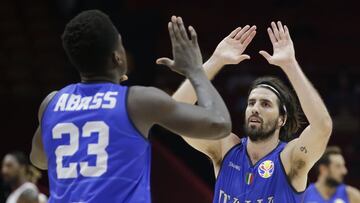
(147, 96)
(45, 103)
(229, 143)
(353, 193)
(144, 91)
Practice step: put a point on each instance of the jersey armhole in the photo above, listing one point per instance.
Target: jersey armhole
(130, 119)
(226, 154)
(47, 105)
(287, 177)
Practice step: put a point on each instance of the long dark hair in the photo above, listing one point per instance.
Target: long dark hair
(287, 97)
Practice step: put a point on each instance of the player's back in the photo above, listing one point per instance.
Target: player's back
(95, 154)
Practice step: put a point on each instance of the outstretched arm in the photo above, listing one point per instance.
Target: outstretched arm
(229, 51)
(301, 154)
(148, 106)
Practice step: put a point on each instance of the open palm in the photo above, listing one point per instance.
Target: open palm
(230, 50)
(283, 47)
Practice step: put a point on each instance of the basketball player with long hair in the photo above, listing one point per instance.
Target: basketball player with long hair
(261, 167)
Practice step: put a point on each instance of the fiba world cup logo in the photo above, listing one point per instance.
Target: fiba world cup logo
(266, 169)
(339, 201)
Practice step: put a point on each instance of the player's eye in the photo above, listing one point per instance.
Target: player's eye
(266, 104)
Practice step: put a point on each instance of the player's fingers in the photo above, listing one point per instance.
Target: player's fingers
(165, 61)
(250, 38)
(193, 35)
(247, 34)
(281, 30)
(176, 28)
(241, 32)
(287, 33)
(171, 33)
(244, 57)
(234, 32)
(271, 35)
(266, 55)
(275, 31)
(182, 28)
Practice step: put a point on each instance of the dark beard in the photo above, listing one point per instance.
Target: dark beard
(11, 182)
(331, 182)
(260, 134)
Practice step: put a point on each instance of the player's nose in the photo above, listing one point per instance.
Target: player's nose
(255, 109)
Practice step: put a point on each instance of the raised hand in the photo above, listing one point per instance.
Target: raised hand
(283, 48)
(230, 49)
(186, 52)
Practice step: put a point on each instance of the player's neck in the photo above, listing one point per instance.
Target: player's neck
(325, 191)
(97, 78)
(258, 149)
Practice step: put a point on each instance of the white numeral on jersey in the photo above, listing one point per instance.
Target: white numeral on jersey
(66, 150)
(97, 149)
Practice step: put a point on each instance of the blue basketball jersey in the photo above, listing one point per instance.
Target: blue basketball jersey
(95, 154)
(239, 181)
(312, 195)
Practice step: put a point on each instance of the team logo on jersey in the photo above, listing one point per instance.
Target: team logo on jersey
(266, 169)
(339, 201)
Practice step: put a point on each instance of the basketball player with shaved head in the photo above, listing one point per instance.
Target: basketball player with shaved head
(261, 167)
(92, 136)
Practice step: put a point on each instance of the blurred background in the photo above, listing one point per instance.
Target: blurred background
(33, 63)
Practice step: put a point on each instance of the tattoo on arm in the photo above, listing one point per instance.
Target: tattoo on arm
(303, 149)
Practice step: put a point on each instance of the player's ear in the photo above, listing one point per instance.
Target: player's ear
(116, 58)
(283, 120)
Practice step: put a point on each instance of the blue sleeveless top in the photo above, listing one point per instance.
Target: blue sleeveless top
(95, 154)
(312, 195)
(264, 182)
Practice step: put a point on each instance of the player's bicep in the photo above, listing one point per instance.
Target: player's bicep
(148, 106)
(308, 149)
(214, 149)
(211, 148)
(192, 121)
(37, 155)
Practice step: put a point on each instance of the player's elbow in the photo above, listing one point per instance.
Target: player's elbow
(325, 126)
(328, 125)
(220, 128)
